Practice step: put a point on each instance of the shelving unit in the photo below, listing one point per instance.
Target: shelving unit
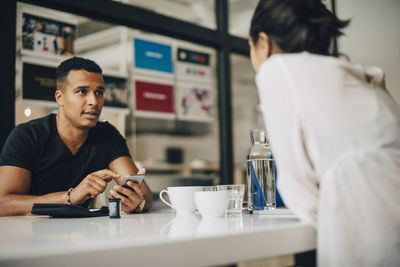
(113, 50)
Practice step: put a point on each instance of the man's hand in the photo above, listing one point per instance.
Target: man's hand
(133, 197)
(93, 184)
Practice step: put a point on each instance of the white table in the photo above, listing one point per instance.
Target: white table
(153, 239)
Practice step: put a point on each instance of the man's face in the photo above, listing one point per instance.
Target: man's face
(81, 98)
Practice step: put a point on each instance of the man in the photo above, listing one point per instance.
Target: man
(69, 157)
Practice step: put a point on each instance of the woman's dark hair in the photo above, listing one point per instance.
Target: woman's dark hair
(76, 63)
(297, 25)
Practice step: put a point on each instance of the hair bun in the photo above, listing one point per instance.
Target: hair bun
(297, 25)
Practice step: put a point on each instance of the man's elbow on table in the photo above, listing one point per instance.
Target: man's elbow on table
(14, 182)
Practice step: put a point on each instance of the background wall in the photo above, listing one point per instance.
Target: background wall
(246, 108)
(373, 36)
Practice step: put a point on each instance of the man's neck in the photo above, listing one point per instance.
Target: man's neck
(72, 136)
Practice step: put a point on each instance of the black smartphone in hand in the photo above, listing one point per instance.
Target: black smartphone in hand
(136, 178)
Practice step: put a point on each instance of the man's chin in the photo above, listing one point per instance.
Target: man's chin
(89, 124)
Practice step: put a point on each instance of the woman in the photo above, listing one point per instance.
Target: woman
(334, 131)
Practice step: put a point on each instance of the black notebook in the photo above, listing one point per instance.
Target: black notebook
(67, 211)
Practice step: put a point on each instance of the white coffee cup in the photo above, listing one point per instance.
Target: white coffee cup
(212, 203)
(182, 198)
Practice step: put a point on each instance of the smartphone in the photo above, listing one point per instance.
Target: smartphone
(136, 178)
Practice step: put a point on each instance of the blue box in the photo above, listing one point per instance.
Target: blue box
(153, 56)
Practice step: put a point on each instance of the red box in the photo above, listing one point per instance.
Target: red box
(154, 97)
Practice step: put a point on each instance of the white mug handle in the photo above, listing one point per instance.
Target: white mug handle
(163, 200)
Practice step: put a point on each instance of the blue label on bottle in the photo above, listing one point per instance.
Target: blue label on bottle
(259, 202)
(279, 201)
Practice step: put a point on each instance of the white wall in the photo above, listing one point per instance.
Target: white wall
(373, 36)
(245, 106)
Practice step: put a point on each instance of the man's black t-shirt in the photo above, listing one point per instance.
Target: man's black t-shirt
(37, 147)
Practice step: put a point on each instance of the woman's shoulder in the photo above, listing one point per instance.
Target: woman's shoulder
(309, 60)
(308, 66)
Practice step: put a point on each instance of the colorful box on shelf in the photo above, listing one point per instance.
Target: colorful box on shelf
(154, 99)
(193, 66)
(195, 103)
(153, 56)
(47, 36)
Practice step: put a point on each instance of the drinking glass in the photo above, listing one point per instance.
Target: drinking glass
(236, 193)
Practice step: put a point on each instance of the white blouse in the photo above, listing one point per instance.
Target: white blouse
(335, 134)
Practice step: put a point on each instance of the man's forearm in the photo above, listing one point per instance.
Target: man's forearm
(17, 204)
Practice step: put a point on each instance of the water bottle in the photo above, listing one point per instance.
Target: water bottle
(261, 173)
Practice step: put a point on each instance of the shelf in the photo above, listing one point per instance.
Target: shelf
(43, 55)
(184, 168)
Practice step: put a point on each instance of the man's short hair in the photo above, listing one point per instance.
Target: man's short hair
(76, 63)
